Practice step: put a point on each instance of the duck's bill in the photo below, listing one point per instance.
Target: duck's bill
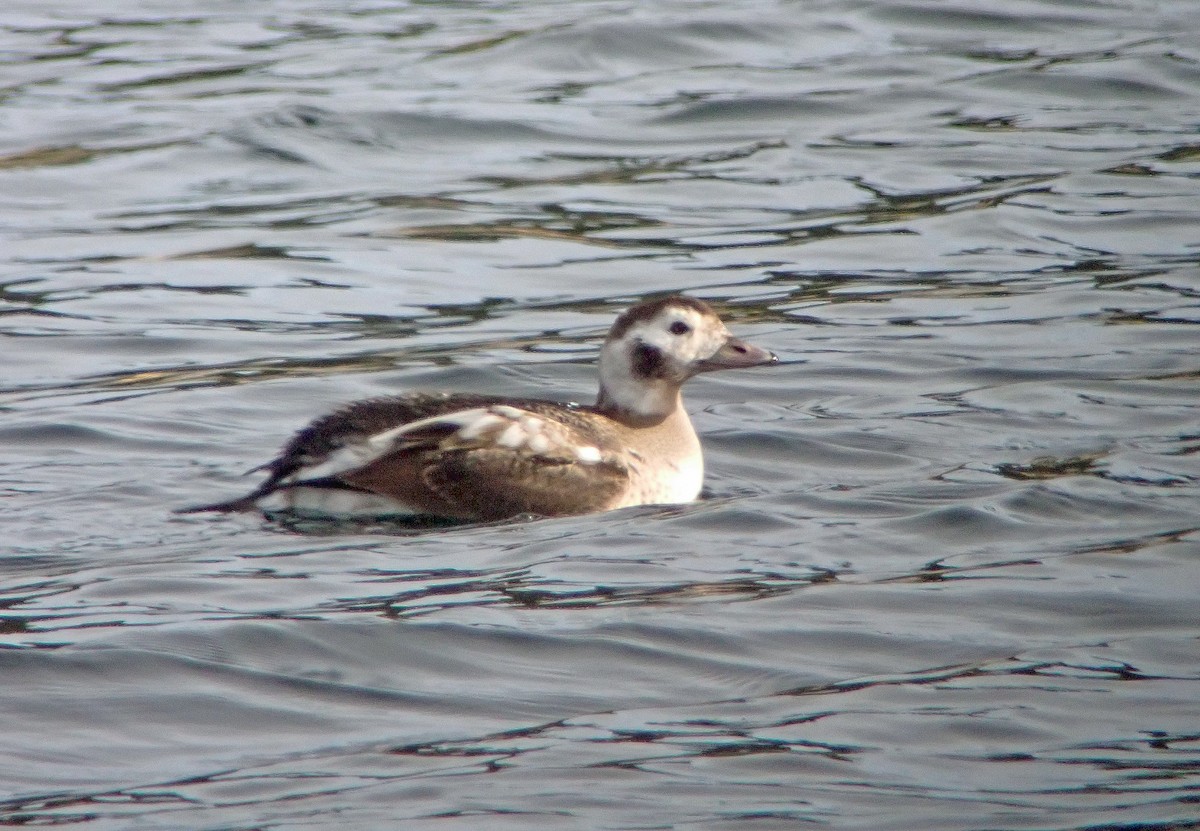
(736, 354)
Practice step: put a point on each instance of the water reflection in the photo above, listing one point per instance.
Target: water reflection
(942, 576)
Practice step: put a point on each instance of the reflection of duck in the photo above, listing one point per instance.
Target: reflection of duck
(474, 457)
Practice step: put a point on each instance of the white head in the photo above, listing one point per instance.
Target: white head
(654, 347)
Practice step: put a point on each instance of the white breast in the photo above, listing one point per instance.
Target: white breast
(682, 480)
(664, 482)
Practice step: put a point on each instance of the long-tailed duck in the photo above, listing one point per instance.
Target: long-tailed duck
(476, 457)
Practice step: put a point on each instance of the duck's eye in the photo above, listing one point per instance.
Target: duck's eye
(680, 328)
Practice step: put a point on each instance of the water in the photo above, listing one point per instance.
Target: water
(944, 575)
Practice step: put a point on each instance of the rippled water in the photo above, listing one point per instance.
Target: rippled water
(945, 575)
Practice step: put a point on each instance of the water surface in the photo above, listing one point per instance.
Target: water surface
(944, 573)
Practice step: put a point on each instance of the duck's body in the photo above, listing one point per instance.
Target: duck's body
(472, 457)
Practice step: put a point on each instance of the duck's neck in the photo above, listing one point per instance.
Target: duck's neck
(666, 462)
(654, 404)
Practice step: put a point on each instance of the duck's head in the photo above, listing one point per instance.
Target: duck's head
(654, 347)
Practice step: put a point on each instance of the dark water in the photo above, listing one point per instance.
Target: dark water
(946, 573)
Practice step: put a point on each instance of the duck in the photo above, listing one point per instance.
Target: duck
(479, 458)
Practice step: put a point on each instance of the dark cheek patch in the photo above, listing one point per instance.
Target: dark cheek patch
(648, 362)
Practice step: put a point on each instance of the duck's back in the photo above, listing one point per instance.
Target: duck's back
(463, 455)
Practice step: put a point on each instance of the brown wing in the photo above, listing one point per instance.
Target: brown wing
(507, 461)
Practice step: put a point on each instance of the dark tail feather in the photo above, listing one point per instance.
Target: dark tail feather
(245, 503)
(250, 501)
